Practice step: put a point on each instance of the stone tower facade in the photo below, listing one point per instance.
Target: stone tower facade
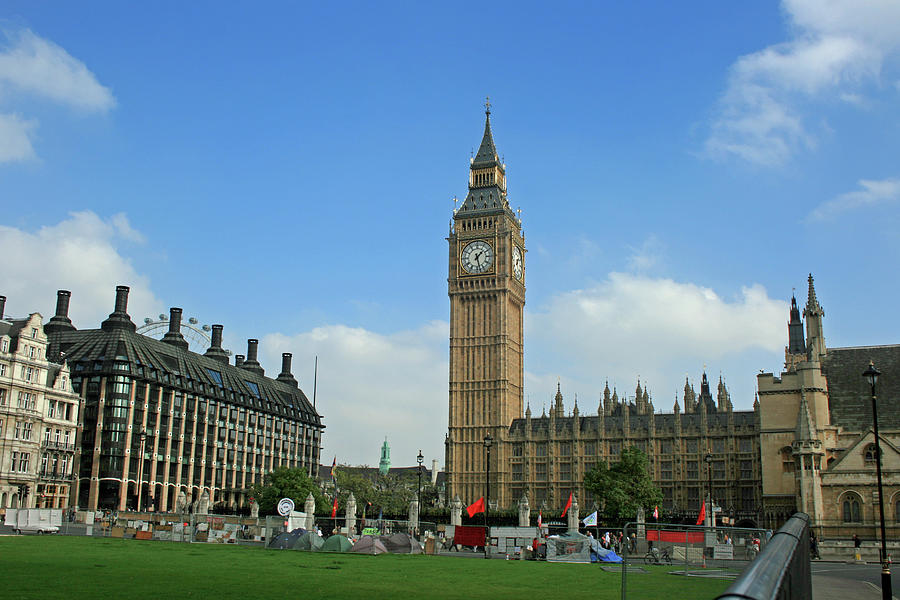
(816, 439)
(486, 285)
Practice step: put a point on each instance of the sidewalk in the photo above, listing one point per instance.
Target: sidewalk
(837, 588)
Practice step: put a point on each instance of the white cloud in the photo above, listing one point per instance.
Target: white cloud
(372, 386)
(15, 138)
(33, 66)
(647, 256)
(631, 326)
(80, 254)
(837, 47)
(872, 193)
(37, 66)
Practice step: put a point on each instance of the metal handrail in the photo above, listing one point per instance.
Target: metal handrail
(781, 570)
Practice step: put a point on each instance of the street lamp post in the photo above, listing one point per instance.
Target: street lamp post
(709, 513)
(488, 440)
(141, 469)
(871, 374)
(419, 460)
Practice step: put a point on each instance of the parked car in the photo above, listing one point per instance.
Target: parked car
(39, 529)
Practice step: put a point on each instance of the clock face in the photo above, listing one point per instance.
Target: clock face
(477, 257)
(517, 263)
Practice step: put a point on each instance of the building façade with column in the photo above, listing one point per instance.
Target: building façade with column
(38, 418)
(817, 431)
(162, 427)
(546, 457)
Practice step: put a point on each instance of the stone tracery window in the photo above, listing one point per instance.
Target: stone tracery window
(851, 509)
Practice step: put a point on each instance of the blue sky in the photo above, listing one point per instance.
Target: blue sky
(289, 171)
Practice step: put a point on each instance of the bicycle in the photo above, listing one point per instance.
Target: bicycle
(657, 558)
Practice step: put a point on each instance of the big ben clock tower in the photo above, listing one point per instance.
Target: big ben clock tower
(486, 285)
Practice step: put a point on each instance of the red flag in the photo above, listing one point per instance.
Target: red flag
(540, 519)
(702, 516)
(334, 508)
(656, 512)
(476, 507)
(568, 506)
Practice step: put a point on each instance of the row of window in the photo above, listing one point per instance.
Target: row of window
(665, 470)
(664, 447)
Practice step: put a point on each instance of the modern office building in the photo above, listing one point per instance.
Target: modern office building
(162, 426)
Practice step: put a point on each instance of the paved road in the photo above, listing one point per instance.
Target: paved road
(840, 581)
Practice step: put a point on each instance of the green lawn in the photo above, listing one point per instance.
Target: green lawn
(49, 567)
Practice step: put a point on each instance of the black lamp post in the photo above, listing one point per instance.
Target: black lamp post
(709, 459)
(488, 441)
(871, 374)
(141, 469)
(419, 460)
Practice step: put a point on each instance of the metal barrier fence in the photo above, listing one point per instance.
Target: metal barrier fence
(191, 528)
(688, 550)
(782, 570)
(221, 529)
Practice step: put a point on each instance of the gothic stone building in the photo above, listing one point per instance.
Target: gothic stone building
(817, 438)
(546, 457)
(162, 426)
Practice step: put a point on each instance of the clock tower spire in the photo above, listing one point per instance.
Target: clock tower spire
(486, 285)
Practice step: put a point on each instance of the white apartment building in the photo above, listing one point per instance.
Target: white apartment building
(38, 418)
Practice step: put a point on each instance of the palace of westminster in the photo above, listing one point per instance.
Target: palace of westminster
(111, 418)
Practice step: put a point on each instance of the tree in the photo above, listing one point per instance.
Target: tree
(624, 487)
(285, 482)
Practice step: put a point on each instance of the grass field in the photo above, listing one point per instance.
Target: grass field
(73, 567)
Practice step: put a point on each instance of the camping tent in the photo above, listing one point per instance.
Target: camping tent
(368, 544)
(286, 539)
(569, 547)
(309, 541)
(601, 554)
(401, 543)
(336, 543)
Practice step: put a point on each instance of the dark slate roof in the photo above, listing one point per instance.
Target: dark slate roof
(91, 345)
(12, 327)
(484, 201)
(849, 394)
(487, 152)
(638, 424)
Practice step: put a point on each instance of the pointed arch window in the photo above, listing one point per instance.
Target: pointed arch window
(870, 454)
(787, 459)
(851, 509)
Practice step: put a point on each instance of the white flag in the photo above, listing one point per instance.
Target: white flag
(590, 520)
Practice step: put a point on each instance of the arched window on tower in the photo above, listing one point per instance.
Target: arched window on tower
(787, 459)
(870, 454)
(851, 508)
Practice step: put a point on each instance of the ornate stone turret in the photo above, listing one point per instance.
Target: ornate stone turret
(815, 336)
(607, 402)
(796, 348)
(688, 396)
(808, 450)
(558, 403)
(677, 410)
